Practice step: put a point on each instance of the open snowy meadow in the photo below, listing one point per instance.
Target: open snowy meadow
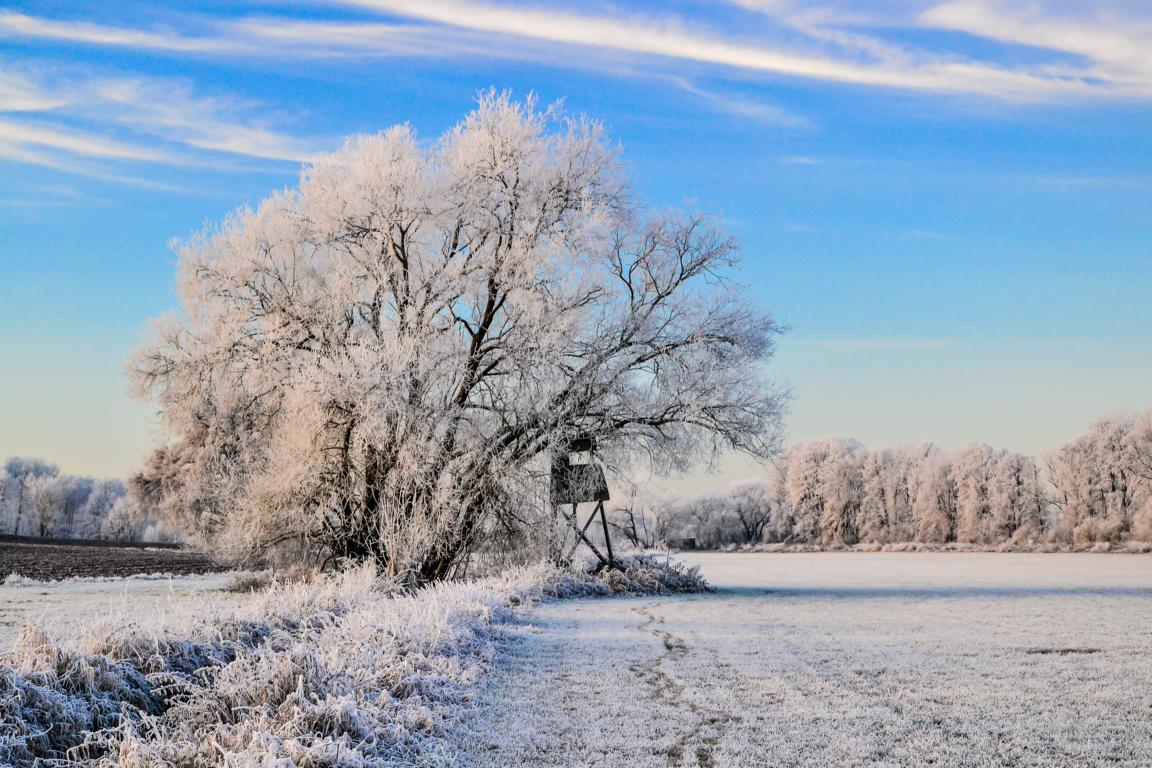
(824, 659)
(73, 607)
(839, 659)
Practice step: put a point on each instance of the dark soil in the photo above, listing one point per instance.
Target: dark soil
(49, 559)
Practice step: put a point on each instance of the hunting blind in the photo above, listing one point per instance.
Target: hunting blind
(577, 478)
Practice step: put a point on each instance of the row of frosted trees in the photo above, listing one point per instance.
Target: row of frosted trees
(36, 499)
(1097, 488)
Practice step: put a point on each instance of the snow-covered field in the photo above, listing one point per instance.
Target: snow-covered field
(831, 659)
(68, 608)
(342, 670)
(846, 659)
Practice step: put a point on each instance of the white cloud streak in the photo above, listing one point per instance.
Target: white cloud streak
(21, 25)
(1117, 45)
(41, 135)
(823, 43)
(171, 110)
(884, 66)
(261, 37)
(132, 120)
(758, 111)
(53, 119)
(20, 94)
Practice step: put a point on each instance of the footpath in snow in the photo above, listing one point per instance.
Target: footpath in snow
(846, 659)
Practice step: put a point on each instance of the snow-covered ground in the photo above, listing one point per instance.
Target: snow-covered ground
(838, 659)
(67, 608)
(342, 670)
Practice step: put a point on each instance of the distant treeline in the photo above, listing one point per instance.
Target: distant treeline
(36, 499)
(1097, 488)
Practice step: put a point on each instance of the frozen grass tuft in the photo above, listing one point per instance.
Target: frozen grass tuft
(341, 671)
(639, 575)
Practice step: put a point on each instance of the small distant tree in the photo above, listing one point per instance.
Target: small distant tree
(122, 522)
(1097, 483)
(1017, 500)
(972, 471)
(752, 509)
(19, 474)
(374, 361)
(841, 487)
(708, 519)
(934, 501)
(96, 507)
(803, 491)
(53, 501)
(632, 514)
(1139, 444)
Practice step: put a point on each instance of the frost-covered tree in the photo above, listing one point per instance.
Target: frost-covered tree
(894, 489)
(1097, 483)
(822, 490)
(373, 361)
(46, 498)
(123, 521)
(934, 501)
(18, 474)
(1139, 444)
(753, 507)
(1140, 454)
(74, 494)
(972, 469)
(1018, 500)
(803, 491)
(877, 500)
(635, 515)
(96, 507)
(841, 488)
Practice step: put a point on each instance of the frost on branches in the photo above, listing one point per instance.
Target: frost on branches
(379, 361)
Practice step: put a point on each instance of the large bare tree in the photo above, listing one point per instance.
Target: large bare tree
(374, 361)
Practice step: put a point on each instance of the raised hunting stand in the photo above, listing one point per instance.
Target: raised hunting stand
(578, 479)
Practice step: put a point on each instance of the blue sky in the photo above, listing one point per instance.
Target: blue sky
(948, 201)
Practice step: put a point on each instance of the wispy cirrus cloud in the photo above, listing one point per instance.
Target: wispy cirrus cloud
(21, 94)
(25, 26)
(840, 43)
(90, 122)
(49, 119)
(752, 109)
(1113, 42)
(830, 54)
(171, 109)
(41, 135)
(253, 37)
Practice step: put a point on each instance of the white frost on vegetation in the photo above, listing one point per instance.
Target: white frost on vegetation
(343, 671)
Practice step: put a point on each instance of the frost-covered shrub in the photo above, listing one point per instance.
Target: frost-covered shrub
(639, 575)
(51, 696)
(249, 581)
